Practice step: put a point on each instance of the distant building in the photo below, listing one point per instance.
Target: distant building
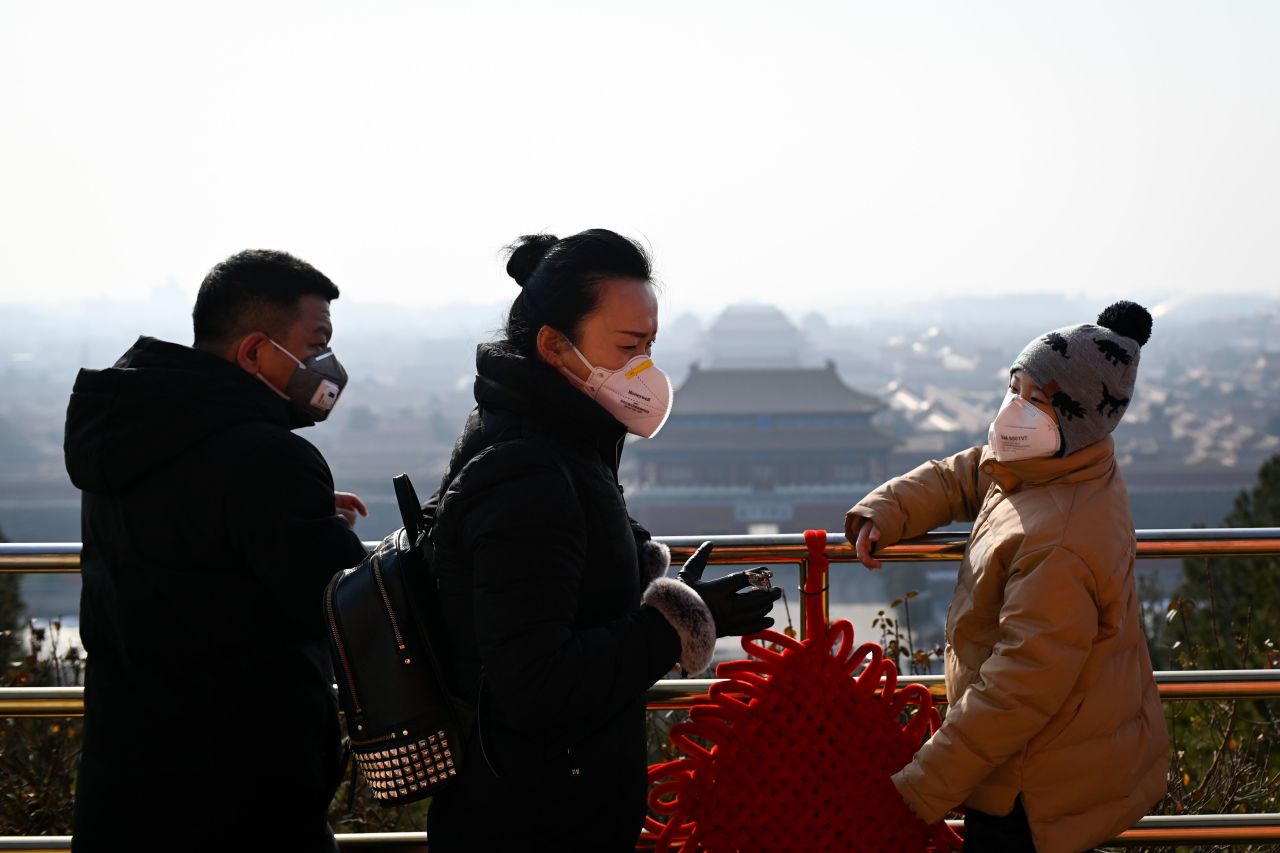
(755, 446)
(756, 336)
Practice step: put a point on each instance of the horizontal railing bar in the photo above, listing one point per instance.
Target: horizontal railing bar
(39, 557)
(1153, 829)
(401, 841)
(36, 843)
(1192, 829)
(1153, 543)
(64, 557)
(41, 701)
(674, 693)
(404, 842)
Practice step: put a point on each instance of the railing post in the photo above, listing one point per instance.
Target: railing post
(826, 600)
(803, 567)
(814, 574)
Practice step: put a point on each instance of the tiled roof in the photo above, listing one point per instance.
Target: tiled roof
(764, 442)
(790, 391)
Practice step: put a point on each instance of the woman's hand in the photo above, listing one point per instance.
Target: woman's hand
(863, 535)
(348, 505)
(734, 612)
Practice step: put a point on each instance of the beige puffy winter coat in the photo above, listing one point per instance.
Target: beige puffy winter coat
(1048, 677)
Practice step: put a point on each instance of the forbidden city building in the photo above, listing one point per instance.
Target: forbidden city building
(758, 441)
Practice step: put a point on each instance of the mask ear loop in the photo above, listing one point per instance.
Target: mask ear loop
(286, 352)
(595, 376)
(265, 381)
(582, 358)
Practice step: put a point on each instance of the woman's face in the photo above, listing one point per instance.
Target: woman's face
(1026, 388)
(623, 325)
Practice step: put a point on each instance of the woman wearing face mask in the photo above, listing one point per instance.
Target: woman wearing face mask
(1054, 739)
(556, 614)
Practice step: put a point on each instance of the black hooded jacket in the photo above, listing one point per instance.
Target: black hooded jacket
(209, 534)
(540, 582)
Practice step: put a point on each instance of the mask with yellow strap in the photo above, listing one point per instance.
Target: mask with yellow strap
(638, 394)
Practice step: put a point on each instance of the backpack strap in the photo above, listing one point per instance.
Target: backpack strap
(411, 511)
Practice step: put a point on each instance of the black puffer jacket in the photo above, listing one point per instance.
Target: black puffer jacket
(539, 569)
(209, 534)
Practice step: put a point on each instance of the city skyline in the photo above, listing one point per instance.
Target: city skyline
(1206, 414)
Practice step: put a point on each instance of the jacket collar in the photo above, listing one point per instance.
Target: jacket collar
(546, 401)
(1088, 463)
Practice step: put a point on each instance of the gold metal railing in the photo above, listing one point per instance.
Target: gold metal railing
(672, 694)
(64, 557)
(1153, 831)
(45, 558)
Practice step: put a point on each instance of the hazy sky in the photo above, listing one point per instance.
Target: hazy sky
(801, 152)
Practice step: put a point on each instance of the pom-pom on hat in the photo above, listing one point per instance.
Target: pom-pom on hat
(1088, 371)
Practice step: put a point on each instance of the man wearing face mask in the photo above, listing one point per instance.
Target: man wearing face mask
(210, 530)
(1054, 738)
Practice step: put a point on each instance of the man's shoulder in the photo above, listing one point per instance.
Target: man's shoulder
(269, 446)
(268, 436)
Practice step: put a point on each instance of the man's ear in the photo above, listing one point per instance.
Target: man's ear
(247, 352)
(552, 347)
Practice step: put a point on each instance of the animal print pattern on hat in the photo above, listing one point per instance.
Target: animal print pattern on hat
(1088, 371)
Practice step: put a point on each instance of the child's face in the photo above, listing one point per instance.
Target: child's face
(1026, 388)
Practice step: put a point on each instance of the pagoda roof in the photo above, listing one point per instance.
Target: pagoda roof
(789, 441)
(764, 391)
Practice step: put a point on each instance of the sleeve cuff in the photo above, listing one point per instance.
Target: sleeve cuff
(655, 559)
(687, 613)
(913, 802)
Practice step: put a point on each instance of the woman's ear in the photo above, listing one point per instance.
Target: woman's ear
(552, 347)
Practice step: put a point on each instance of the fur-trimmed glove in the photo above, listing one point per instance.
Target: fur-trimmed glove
(734, 612)
(701, 610)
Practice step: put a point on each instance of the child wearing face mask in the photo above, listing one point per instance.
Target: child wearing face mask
(1054, 738)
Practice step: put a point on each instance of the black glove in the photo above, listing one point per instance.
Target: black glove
(735, 613)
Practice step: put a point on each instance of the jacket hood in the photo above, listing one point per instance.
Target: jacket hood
(158, 402)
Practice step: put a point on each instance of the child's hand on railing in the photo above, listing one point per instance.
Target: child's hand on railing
(863, 535)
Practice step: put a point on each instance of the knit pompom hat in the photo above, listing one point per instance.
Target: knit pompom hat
(1088, 371)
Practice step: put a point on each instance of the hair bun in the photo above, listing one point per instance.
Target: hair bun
(526, 253)
(1129, 319)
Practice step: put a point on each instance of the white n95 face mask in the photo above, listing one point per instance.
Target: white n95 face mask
(1022, 431)
(638, 394)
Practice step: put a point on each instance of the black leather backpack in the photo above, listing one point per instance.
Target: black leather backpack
(405, 725)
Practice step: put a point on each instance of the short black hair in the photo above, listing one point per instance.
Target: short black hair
(257, 289)
(560, 280)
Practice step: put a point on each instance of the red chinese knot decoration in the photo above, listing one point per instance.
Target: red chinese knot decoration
(801, 749)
